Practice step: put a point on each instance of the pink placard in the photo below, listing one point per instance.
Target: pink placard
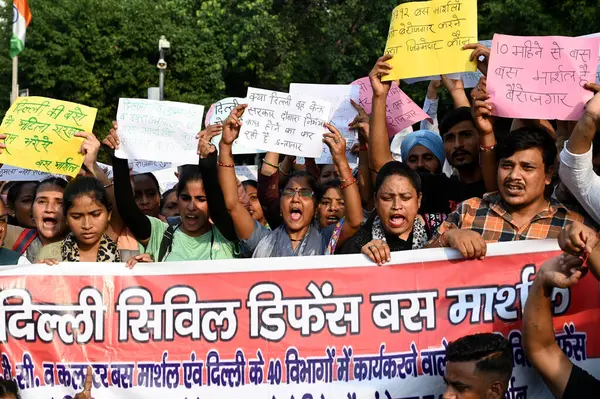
(541, 77)
(208, 115)
(401, 111)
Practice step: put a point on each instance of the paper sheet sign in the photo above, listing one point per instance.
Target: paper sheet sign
(40, 134)
(401, 111)
(342, 112)
(218, 113)
(159, 130)
(541, 77)
(284, 123)
(426, 38)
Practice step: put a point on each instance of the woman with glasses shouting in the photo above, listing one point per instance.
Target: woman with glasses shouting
(299, 235)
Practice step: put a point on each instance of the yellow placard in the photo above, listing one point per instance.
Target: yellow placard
(426, 38)
(40, 133)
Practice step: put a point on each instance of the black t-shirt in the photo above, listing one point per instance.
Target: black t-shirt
(581, 385)
(441, 196)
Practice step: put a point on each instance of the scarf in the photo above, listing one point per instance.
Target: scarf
(278, 244)
(107, 251)
(419, 233)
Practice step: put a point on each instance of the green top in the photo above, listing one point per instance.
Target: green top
(51, 251)
(189, 248)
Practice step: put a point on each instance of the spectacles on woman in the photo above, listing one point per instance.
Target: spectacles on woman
(302, 192)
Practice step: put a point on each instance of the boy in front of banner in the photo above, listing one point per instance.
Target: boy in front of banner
(563, 378)
(478, 367)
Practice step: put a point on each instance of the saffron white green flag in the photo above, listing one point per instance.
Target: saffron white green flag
(21, 20)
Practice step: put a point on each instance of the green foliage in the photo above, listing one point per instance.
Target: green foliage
(95, 51)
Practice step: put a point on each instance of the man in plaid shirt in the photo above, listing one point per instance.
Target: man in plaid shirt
(520, 210)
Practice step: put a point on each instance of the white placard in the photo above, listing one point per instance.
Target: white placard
(284, 123)
(159, 130)
(246, 172)
(13, 173)
(342, 112)
(221, 111)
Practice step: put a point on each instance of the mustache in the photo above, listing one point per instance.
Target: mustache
(459, 153)
(422, 169)
(516, 183)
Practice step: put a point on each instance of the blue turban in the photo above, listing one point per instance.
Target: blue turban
(428, 139)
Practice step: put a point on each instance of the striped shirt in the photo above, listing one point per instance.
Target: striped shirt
(488, 217)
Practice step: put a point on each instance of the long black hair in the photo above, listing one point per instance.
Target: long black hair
(50, 181)
(83, 185)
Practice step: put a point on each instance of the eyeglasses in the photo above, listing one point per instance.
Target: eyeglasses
(302, 192)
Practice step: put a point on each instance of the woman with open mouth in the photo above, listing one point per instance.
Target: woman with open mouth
(195, 238)
(332, 207)
(300, 234)
(395, 226)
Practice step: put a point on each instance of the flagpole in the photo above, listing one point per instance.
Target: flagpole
(15, 80)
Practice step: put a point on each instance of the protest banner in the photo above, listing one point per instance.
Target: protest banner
(39, 134)
(159, 130)
(218, 113)
(284, 123)
(13, 173)
(541, 77)
(401, 112)
(431, 34)
(336, 327)
(342, 113)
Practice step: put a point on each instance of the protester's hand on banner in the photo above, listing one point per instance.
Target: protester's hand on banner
(562, 271)
(112, 140)
(205, 147)
(377, 251)
(143, 258)
(89, 149)
(381, 68)
(49, 262)
(337, 145)
(432, 89)
(592, 108)
(469, 243)
(232, 125)
(578, 239)
(479, 50)
(87, 386)
(360, 122)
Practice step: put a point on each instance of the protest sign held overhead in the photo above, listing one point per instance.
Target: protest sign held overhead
(40, 134)
(341, 115)
(431, 34)
(541, 77)
(217, 114)
(401, 111)
(284, 123)
(159, 130)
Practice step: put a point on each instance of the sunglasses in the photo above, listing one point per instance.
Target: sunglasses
(302, 192)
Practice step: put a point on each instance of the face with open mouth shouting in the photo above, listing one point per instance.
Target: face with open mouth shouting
(522, 178)
(48, 213)
(331, 207)
(193, 208)
(397, 204)
(297, 204)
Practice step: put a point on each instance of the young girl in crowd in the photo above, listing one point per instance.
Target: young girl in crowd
(168, 203)
(254, 207)
(87, 209)
(19, 201)
(195, 238)
(8, 257)
(396, 226)
(332, 207)
(146, 191)
(299, 235)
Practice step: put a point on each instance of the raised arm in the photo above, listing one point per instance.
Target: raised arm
(581, 139)
(538, 330)
(379, 144)
(482, 115)
(456, 88)
(354, 216)
(268, 189)
(242, 220)
(208, 169)
(431, 107)
(134, 219)
(365, 181)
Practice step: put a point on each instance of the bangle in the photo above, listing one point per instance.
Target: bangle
(486, 149)
(109, 185)
(282, 172)
(349, 184)
(270, 164)
(225, 165)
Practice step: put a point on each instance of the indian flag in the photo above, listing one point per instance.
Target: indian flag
(21, 20)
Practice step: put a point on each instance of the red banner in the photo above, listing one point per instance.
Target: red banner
(221, 329)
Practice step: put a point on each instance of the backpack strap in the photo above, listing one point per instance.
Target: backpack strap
(24, 241)
(166, 244)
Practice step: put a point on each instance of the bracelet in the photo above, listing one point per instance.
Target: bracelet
(225, 165)
(109, 185)
(349, 184)
(486, 149)
(270, 164)
(282, 172)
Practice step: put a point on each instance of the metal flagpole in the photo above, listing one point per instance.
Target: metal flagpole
(15, 80)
